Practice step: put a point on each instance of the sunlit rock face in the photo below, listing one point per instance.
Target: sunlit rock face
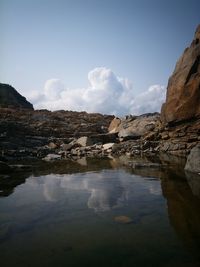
(183, 91)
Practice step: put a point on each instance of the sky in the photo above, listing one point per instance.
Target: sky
(108, 56)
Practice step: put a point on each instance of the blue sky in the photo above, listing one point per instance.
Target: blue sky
(139, 40)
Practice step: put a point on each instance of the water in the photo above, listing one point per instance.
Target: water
(68, 215)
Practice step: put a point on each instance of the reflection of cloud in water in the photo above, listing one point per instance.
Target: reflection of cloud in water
(52, 189)
(108, 189)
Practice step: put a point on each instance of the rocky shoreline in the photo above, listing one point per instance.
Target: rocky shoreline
(22, 136)
(41, 134)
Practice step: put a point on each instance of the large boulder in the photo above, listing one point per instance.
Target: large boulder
(9, 97)
(183, 91)
(133, 127)
(113, 127)
(193, 160)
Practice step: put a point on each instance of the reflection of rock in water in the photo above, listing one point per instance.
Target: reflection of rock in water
(183, 209)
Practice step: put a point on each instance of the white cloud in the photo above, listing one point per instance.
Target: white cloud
(106, 94)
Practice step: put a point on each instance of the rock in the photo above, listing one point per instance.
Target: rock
(4, 167)
(9, 97)
(84, 141)
(127, 134)
(108, 146)
(123, 219)
(183, 94)
(52, 145)
(50, 157)
(69, 146)
(134, 128)
(193, 160)
(114, 125)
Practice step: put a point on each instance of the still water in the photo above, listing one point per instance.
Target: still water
(71, 217)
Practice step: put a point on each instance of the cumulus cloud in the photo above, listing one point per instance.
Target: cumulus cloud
(106, 93)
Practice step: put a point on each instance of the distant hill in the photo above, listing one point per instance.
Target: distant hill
(10, 98)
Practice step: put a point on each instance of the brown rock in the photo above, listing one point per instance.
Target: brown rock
(114, 125)
(183, 91)
(52, 145)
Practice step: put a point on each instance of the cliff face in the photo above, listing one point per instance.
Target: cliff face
(10, 98)
(183, 91)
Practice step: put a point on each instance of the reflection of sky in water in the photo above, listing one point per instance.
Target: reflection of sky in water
(107, 189)
(70, 219)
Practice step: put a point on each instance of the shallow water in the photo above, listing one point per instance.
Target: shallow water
(69, 218)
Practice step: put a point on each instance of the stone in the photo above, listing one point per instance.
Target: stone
(193, 160)
(138, 126)
(51, 157)
(183, 94)
(108, 146)
(114, 125)
(84, 141)
(69, 146)
(126, 134)
(52, 145)
(123, 219)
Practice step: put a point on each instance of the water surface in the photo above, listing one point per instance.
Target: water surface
(68, 218)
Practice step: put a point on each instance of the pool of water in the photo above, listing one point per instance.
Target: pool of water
(73, 218)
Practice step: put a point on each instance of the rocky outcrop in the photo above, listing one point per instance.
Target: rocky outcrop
(45, 124)
(39, 133)
(183, 91)
(10, 98)
(134, 127)
(193, 160)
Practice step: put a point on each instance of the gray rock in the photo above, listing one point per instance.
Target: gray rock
(193, 160)
(69, 146)
(127, 134)
(108, 146)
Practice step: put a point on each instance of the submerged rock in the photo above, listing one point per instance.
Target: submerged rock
(123, 219)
